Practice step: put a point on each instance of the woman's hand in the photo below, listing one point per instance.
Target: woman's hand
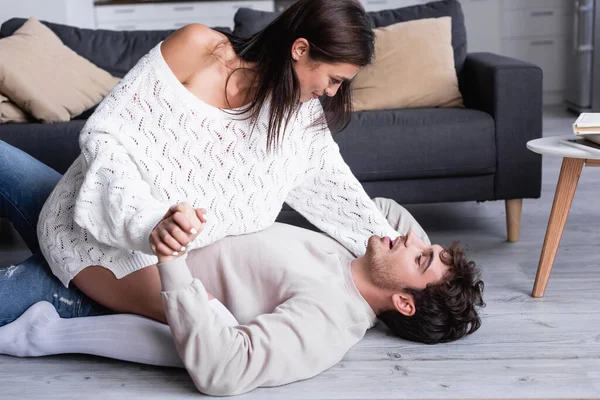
(180, 225)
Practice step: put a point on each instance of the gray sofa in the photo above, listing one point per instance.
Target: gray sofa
(424, 155)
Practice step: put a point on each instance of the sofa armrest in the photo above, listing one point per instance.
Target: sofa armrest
(510, 91)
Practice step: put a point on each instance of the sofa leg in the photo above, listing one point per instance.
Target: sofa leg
(4, 226)
(514, 208)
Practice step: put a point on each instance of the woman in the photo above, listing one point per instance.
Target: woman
(211, 122)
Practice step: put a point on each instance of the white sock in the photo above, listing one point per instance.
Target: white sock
(40, 331)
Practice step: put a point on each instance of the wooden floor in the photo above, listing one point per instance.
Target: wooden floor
(526, 348)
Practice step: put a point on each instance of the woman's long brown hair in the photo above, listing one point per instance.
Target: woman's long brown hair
(338, 31)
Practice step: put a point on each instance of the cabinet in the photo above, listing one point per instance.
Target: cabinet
(538, 31)
(154, 16)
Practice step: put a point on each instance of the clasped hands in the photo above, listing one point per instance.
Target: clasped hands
(177, 229)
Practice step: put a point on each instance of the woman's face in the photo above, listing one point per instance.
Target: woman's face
(318, 79)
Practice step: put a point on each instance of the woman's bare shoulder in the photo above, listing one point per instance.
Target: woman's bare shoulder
(190, 48)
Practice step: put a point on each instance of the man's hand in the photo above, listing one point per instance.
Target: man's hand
(180, 225)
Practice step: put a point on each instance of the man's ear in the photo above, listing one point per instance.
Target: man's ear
(300, 48)
(404, 303)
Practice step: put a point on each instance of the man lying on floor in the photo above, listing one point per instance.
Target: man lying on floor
(300, 298)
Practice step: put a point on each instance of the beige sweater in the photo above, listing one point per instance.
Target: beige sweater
(292, 292)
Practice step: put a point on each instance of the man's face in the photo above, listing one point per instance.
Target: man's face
(405, 262)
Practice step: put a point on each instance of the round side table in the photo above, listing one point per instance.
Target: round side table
(573, 161)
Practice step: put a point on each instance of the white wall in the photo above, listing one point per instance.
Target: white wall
(70, 12)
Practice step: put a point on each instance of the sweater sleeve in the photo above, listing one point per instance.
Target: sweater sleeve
(298, 340)
(115, 205)
(332, 199)
(399, 218)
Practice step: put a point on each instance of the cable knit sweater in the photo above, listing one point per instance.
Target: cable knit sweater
(152, 144)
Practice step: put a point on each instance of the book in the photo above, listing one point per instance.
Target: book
(587, 123)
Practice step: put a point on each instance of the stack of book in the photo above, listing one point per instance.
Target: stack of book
(587, 131)
(587, 126)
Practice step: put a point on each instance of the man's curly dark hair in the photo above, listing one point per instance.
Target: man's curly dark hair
(445, 311)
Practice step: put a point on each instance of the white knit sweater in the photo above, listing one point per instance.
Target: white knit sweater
(152, 144)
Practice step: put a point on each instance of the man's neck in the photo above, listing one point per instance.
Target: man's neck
(367, 290)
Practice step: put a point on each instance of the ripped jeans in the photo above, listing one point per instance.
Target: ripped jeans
(25, 184)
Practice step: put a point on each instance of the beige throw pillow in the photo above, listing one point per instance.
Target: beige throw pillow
(413, 67)
(47, 79)
(10, 112)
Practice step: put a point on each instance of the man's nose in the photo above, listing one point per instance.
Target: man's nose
(413, 239)
(408, 238)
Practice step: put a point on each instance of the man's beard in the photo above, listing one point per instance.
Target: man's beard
(380, 271)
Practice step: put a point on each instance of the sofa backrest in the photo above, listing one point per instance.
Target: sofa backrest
(113, 51)
(248, 22)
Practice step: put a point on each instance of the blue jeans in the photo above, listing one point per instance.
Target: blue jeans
(25, 184)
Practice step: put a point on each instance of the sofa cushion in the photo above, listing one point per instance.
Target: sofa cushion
(418, 143)
(10, 112)
(435, 9)
(59, 84)
(458, 142)
(113, 51)
(56, 145)
(248, 22)
(426, 78)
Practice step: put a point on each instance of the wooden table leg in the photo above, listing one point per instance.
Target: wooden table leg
(563, 197)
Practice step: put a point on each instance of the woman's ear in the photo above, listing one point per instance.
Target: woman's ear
(300, 48)
(404, 304)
